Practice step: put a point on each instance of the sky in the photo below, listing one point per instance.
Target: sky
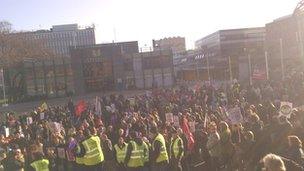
(144, 20)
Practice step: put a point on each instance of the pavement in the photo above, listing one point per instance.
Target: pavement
(29, 106)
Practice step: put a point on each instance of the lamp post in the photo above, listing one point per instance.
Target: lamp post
(282, 60)
(3, 86)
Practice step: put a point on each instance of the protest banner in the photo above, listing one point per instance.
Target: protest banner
(29, 120)
(176, 121)
(285, 109)
(61, 153)
(235, 115)
(169, 118)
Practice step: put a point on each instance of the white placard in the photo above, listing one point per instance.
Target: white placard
(192, 126)
(29, 120)
(176, 121)
(169, 118)
(286, 109)
(6, 132)
(235, 115)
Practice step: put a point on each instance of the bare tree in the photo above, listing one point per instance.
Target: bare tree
(16, 46)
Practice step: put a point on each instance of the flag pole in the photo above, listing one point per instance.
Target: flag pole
(266, 63)
(249, 64)
(230, 70)
(208, 68)
(3, 86)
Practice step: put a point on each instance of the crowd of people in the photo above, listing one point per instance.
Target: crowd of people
(116, 133)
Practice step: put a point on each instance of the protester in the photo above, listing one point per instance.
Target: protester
(203, 128)
(273, 163)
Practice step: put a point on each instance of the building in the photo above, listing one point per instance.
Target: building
(236, 48)
(127, 47)
(93, 67)
(149, 69)
(48, 77)
(176, 44)
(117, 66)
(60, 38)
(284, 44)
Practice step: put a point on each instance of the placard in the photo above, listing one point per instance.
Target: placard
(169, 118)
(192, 126)
(176, 121)
(42, 116)
(29, 120)
(55, 127)
(235, 115)
(285, 109)
(7, 132)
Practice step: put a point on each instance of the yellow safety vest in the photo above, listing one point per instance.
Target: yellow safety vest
(94, 154)
(175, 146)
(121, 153)
(41, 165)
(145, 147)
(163, 156)
(79, 160)
(137, 158)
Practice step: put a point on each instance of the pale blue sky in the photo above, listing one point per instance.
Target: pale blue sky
(145, 20)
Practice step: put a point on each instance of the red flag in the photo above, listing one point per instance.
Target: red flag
(80, 107)
(189, 135)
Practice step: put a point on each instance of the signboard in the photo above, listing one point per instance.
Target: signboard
(286, 109)
(169, 118)
(192, 126)
(235, 115)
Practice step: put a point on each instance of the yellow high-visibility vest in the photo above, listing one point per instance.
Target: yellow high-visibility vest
(137, 155)
(121, 153)
(175, 146)
(94, 154)
(163, 156)
(41, 165)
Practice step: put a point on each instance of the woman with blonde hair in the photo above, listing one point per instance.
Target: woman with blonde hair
(295, 151)
(273, 162)
(213, 146)
(227, 148)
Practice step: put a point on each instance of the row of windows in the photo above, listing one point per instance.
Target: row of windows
(61, 35)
